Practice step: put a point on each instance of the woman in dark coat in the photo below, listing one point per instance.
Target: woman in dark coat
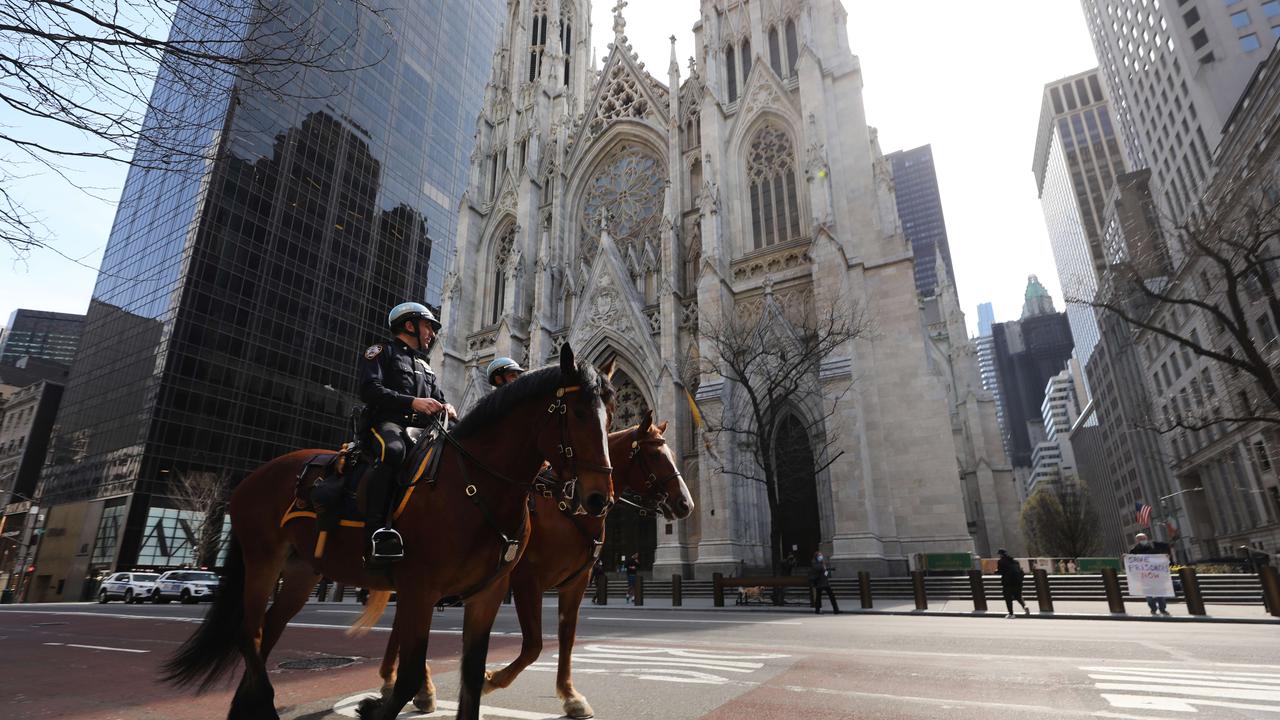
(818, 584)
(1010, 581)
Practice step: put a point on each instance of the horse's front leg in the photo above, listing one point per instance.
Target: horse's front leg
(575, 705)
(528, 598)
(425, 700)
(481, 609)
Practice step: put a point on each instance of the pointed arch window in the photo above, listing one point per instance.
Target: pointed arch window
(566, 44)
(775, 205)
(793, 47)
(745, 52)
(537, 44)
(775, 51)
(501, 257)
(730, 71)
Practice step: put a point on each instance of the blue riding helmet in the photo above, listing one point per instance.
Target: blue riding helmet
(411, 311)
(501, 365)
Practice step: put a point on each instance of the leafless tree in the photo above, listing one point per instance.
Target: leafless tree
(772, 359)
(1219, 300)
(76, 78)
(205, 495)
(1059, 520)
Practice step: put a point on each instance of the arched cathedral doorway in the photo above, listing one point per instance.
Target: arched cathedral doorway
(626, 531)
(797, 490)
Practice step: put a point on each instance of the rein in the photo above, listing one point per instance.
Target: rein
(653, 492)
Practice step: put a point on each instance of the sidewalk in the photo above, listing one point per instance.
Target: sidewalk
(1070, 610)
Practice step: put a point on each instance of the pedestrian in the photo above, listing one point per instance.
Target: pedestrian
(632, 567)
(818, 582)
(1144, 546)
(597, 571)
(1011, 574)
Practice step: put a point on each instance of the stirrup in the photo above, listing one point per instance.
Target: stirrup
(390, 543)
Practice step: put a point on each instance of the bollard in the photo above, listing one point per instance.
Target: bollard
(677, 591)
(602, 589)
(1043, 595)
(978, 591)
(1191, 591)
(1111, 584)
(717, 589)
(637, 597)
(1270, 589)
(864, 589)
(339, 590)
(917, 588)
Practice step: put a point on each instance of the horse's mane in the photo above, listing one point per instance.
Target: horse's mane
(544, 381)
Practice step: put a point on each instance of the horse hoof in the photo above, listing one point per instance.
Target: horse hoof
(578, 708)
(489, 686)
(368, 708)
(426, 702)
(387, 690)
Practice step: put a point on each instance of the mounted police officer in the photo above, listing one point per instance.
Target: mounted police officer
(502, 371)
(399, 390)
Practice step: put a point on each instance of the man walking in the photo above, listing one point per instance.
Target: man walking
(818, 581)
(1011, 575)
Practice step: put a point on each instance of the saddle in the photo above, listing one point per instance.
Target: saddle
(330, 485)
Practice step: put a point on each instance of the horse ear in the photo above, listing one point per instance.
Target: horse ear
(662, 429)
(567, 364)
(646, 423)
(608, 368)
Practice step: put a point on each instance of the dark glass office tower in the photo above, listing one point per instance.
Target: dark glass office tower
(920, 210)
(41, 334)
(235, 298)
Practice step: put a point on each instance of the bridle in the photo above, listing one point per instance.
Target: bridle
(569, 489)
(654, 497)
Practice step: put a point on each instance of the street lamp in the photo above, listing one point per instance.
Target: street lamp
(1164, 513)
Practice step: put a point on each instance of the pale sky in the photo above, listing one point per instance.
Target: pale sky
(965, 77)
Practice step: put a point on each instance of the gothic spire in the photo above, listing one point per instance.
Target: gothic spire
(619, 23)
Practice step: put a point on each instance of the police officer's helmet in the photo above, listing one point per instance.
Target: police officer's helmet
(411, 311)
(502, 365)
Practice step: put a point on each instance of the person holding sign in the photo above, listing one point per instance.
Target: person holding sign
(1147, 568)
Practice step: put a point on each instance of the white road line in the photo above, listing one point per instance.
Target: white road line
(1158, 682)
(97, 647)
(1188, 705)
(1267, 695)
(444, 708)
(698, 622)
(588, 658)
(1262, 677)
(694, 654)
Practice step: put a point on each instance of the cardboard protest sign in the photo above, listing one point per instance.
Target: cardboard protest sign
(1149, 575)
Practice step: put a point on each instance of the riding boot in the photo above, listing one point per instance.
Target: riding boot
(383, 545)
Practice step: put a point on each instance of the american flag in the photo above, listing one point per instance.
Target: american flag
(1143, 512)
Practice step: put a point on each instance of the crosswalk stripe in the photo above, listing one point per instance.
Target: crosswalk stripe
(1210, 692)
(1205, 682)
(1188, 705)
(1159, 671)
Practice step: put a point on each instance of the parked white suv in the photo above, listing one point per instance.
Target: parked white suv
(189, 586)
(130, 587)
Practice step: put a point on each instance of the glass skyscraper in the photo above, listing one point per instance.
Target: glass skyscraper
(41, 334)
(920, 210)
(236, 295)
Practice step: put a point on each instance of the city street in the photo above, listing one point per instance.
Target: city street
(100, 662)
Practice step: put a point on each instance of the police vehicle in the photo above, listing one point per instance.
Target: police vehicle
(131, 587)
(189, 586)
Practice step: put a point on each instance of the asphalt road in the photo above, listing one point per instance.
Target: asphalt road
(99, 663)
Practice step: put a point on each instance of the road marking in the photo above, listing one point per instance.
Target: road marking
(698, 622)
(1185, 690)
(97, 647)
(678, 665)
(444, 708)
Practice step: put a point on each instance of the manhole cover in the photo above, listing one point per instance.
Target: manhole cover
(318, 663)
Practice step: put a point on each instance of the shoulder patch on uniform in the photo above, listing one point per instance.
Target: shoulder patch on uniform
(372, 352)
(426, 366)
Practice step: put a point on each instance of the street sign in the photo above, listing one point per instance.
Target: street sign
(946, 561)
(1098, 564)
(1148, 575)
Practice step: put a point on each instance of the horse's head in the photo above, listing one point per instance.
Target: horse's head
(576, 438)
(652, 482)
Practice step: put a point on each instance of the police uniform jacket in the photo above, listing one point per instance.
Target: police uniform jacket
(392, 374)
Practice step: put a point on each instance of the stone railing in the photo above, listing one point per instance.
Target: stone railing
(771, 260)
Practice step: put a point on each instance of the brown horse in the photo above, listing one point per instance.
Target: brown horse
(562, 548)
(460, 536)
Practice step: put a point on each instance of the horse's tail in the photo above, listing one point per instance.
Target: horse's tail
(211, 652)
(374, 606)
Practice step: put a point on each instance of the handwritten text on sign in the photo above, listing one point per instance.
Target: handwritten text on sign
(1148, 575)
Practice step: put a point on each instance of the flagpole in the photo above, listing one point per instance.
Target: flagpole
(1164, 512)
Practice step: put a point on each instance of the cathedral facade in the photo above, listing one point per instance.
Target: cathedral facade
(621, 213)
